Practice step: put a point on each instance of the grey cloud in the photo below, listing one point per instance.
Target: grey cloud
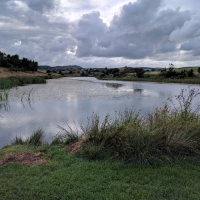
(167, 47)
(143, 24)
(41, 5)
(193, 45)
(188, 36)
(144, 29)
(62, 44)
(136, 15)
(190, 30)
(89, 28)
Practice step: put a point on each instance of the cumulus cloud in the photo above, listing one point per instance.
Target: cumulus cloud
(142, 29)
(40, 6)
(89, 28)
(193, 45)
(189, 30)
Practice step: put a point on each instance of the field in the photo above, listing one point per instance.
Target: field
(4, 73)
(155, 76)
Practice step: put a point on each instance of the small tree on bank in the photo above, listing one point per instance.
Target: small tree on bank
(139, 72)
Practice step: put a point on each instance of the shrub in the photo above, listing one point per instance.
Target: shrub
(139, 72)
(190, 73)
(199, 70)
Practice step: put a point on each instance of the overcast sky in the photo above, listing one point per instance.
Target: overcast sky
(102, 33)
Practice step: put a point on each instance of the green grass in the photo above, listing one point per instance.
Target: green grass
(156, 78)
(7, 83)
(125, 157)
(195, 69)
(69, 177)
(151, 77)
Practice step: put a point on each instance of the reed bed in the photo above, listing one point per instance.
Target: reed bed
(7, 83)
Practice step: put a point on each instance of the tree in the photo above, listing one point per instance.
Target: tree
(139, 72)
(190, 73)
(199, 70)
(14, 63)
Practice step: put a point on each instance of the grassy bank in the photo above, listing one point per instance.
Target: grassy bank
(66, 176)
(165, 75)
(125, 157)
(157, 79)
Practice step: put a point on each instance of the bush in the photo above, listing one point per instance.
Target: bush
(139, 72)
(190, 73)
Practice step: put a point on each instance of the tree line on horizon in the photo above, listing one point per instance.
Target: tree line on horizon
(14, 63)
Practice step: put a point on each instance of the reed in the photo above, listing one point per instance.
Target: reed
(7, 83)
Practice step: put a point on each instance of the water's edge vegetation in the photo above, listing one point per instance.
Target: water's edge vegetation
(125, 157)
(160, 136)
(10, 82)
(165, 75)
(7, 83)
(156, 80)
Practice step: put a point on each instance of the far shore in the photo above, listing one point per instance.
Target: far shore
(5, 73)
(149, 76)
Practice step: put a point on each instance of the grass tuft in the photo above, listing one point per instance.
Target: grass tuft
(36, 139)
(65, 136)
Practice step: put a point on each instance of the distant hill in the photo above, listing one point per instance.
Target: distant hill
(67, 67)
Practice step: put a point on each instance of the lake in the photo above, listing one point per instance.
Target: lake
(71, 101)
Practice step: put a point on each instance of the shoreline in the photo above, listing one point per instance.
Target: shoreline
(177, 81)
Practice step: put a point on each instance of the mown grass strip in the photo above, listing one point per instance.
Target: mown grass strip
(69, 177)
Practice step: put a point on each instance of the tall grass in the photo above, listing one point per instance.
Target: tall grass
(36, 139)
(160, 136)
(65, 136)
(7, 83)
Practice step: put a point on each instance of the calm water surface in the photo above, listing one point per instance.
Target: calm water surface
(72, 100)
